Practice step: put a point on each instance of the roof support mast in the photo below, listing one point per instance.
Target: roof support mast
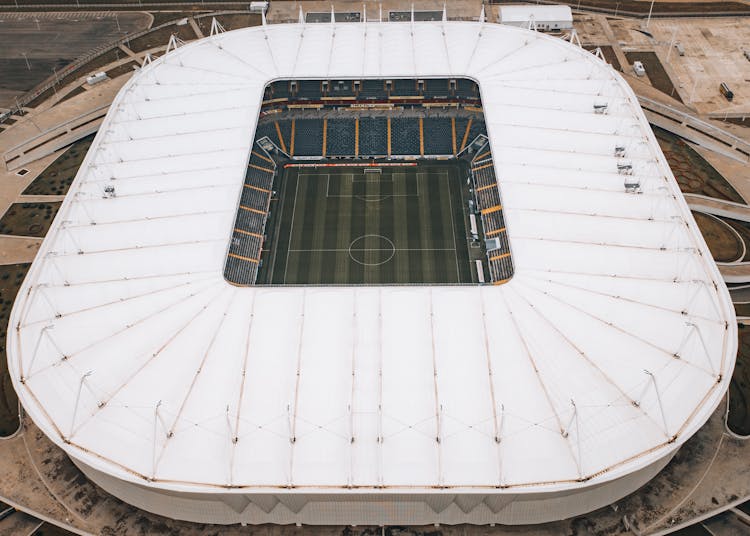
(566, 434)
(292, 411)
(652, 381)
(75, 406)
(235, 433)
(380, 388)
(216, 28)
(353, 390)
(497, 426)
(438, 406)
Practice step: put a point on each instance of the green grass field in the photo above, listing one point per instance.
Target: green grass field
(344, 226)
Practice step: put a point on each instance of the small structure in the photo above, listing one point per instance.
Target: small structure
(545, 18)
(96, 78)
(258, 7)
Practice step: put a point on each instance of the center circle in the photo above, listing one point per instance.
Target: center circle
(371, 250)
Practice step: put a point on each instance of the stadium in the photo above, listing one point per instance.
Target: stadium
(373, 273)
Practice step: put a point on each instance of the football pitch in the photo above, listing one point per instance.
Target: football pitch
(348, 226)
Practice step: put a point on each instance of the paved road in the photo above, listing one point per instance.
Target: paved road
(52, 40)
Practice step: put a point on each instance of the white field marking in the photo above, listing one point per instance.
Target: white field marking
(372, 177)
(291, 226)
(390, 249)
(424, 174)
(373, 197)
(453, 229)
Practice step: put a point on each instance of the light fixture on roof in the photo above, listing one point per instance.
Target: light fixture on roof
(601, 108)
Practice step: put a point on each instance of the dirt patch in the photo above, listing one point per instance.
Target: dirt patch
(693, 172)
(73, 93)
(51, 530)
(160, 37)
(655, 71)
(28, 219)
(125, 68)
(739, 388)
(609, 55)
(237, 20)
(743, 229)
(11, 277)
(741, 121)
(724, 244)
(56, 179)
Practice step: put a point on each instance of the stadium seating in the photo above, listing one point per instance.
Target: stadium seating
(280, 89)
(341, 88)
(309, 89)
(501, 266)
(308, 137)
(255, 198)
(265, 129)
(340, 137)
(284, 128)
(461, 132)
(466, 89)
(438, 88)
(404, 88)
(372, 89)
(477, 127)
(405, 136)
(487, 196)
(438, 136)
(373, 136)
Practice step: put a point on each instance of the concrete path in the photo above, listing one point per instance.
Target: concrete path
(735, 272)
(718, 207)
(18, 249)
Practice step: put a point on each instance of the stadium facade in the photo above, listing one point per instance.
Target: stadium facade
(554, 394)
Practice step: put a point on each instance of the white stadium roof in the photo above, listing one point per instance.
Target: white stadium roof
(611, 345)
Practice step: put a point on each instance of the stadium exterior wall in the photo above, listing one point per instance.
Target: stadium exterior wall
(449, 508)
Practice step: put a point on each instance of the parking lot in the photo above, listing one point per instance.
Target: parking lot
(34, 45)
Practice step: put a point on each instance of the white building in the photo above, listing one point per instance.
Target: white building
(540, 399)
(547, 18)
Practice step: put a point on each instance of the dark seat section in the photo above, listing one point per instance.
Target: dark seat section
(280, 90)
(340, 137)
(461, 124)
(466, 88)
(309, 89)
(438, 136)
(404, 88)
(372, 89)
(405, 136)
(285, 127)
(437, 88)
(477, 127)
(373, 136)
(308, 137)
